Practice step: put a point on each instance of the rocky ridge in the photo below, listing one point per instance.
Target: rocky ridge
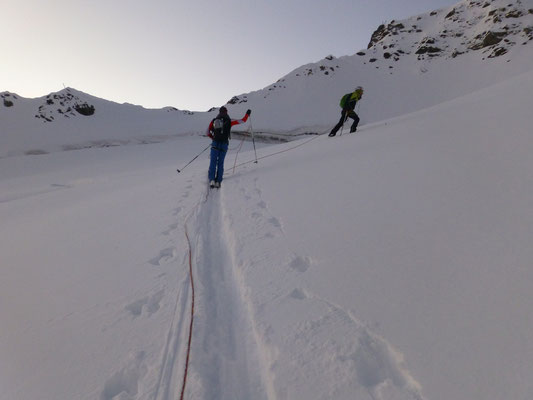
(490, 28)
(67, 103)
(8, 99)
(487, 28)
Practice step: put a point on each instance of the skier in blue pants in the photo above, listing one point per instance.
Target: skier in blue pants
(216, 165)
(220, 132)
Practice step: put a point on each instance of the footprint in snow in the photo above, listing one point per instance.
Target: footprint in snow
(171, 228)
(274, 222)
(246, 196)
(151, 304)
(378, 364)
(165, 256)
(300, 264)
(298, 294)
(124, 384)
(136, 308)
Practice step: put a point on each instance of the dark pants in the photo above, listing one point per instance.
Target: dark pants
(344, 116)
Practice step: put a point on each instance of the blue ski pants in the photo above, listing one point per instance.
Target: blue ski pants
(216, 165)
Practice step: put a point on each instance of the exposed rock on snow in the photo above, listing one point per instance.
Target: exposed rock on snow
(462, 21)
(238, 100)
(8, 99)
(64, 103)
(84, 109)
(481, 30)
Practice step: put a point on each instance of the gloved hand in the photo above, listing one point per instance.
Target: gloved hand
(248, 112)
(210, 135)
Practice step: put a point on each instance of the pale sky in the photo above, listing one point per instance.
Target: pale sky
(192, 54)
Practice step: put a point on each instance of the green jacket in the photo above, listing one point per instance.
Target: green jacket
(349, 100)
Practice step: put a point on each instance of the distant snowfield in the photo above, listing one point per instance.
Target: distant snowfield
(390, 264)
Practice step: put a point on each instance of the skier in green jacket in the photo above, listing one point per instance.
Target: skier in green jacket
(347, 103)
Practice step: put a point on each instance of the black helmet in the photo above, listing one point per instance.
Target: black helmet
(223, 110)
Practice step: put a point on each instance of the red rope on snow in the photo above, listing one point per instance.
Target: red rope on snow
(192, 317)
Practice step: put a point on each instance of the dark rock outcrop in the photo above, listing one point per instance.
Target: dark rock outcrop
(84, 109)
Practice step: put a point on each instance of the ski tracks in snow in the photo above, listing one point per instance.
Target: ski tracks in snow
(225, 357)
(211, 349)
(258, 331)
(155, 372)
(308, 346)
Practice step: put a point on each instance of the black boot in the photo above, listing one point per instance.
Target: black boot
(353, 128)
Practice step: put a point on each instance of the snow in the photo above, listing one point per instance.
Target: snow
(410, 238)
(394, 263)
(390, 264)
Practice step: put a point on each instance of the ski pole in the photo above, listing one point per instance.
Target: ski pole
(238, 150)
(179, 170)
(253, 140)
(343, 122)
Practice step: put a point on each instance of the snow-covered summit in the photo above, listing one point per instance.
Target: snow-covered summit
(8, 99)
(71, 119)
(66, 103)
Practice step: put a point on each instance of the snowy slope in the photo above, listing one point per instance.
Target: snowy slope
(398, 259)
(409, 65)
(391, 264)
(52, 123)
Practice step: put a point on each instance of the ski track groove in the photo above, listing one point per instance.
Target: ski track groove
(225, 356)
(170, 376)
(172, 349)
